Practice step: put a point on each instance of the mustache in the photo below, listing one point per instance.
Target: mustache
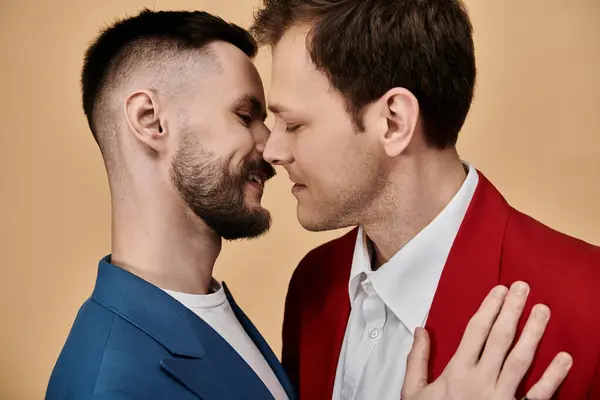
(258, 165)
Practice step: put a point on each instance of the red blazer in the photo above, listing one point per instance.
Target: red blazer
(496, 244)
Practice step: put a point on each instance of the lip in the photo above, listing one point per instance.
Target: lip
(255, 187)
(261, 175)
(294, 180)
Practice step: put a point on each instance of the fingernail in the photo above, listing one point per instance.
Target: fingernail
(520, 288)
(565, 360)
(500, 291)
(541, 312)
(418, 333)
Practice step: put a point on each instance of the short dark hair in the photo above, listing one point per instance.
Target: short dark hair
(367, 47)
(120, 44)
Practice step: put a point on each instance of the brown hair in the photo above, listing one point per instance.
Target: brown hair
(367, 47)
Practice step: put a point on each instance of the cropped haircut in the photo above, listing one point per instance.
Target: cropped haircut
(152, 38)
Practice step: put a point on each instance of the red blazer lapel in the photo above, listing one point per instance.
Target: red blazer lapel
(471, 271)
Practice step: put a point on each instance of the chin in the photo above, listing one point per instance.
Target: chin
(314, 223)
(253, 203)
(256, 207)
(313, 219)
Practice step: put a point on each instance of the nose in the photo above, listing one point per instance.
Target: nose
(277, 150)
(261, 135)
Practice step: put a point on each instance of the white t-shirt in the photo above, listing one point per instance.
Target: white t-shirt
(215, 310)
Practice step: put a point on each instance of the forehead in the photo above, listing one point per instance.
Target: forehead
(235, 74)
(297, 87)
(290, 53)
(292, 69)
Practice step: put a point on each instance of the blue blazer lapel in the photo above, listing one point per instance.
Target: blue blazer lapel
(221, 374)
(262, 346)
(202, 360)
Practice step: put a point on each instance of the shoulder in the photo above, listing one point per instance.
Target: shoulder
(530, 239)
(79, 361)
(563, 272)
(320, 271)
(332, 255)
(102, 350)
(90, 332)
(112, 395)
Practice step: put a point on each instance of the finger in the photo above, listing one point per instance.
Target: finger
(417, 365)
(520, 358)
(504, 330)
(479, 327)
(554, 375)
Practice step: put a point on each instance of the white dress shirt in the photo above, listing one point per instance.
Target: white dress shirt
(389, 303)
(215, 310)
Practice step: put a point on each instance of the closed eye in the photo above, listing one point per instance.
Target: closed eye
(246, 119)
(292, 128)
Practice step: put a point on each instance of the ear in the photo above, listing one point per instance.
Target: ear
(142, 111)
(400, 110)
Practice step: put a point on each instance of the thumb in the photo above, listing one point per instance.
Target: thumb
(417, 365)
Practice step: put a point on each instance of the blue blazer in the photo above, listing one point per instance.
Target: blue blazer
(131, 340)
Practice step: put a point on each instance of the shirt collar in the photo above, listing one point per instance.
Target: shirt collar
(214, 298)
(408, 281)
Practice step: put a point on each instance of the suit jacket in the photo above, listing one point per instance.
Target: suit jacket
(131, 340)
(496, 244)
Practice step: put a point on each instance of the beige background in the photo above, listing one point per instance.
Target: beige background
(534, 130)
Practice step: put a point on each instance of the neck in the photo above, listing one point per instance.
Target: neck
(157, 238)
(420, 188)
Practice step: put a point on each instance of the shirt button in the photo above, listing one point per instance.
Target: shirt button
(374, 333)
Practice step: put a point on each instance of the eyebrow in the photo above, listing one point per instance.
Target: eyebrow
(252, 102)
(277, 109)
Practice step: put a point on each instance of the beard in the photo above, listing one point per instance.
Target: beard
(216, 195)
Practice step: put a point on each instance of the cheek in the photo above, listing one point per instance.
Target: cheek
(240, 138)
(232, 142)
(324, 165)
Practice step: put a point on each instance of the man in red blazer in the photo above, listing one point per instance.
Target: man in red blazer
(369, 97)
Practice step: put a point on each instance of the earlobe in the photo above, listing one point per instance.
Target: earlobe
(142, 112)
(402, 112)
